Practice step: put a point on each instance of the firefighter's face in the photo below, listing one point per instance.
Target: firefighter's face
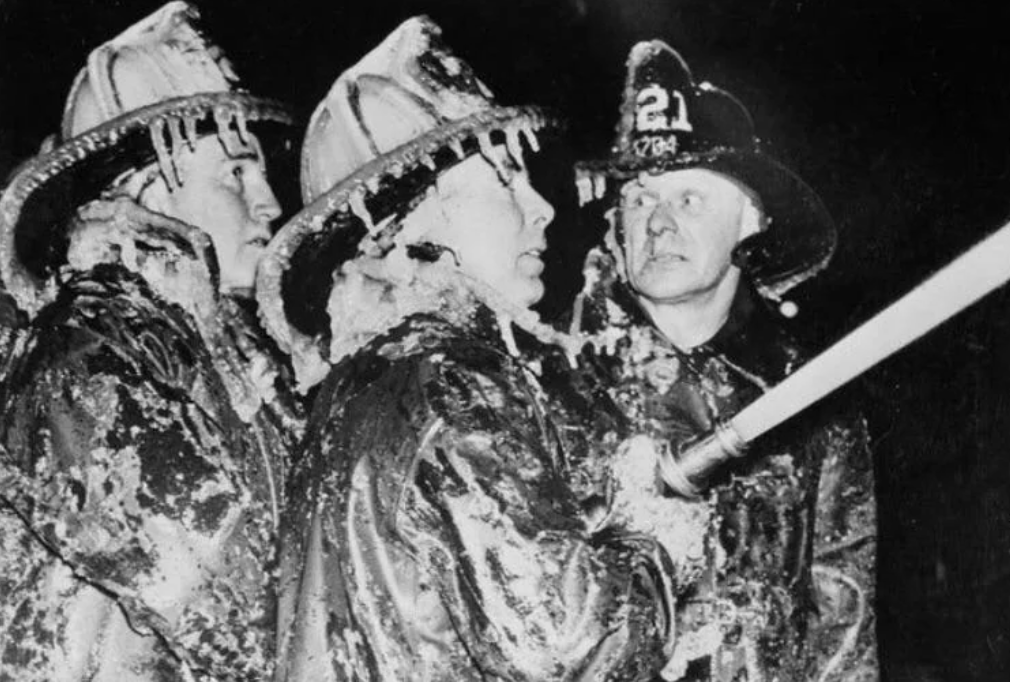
(495, 224)
(679, 230)
(227, 195)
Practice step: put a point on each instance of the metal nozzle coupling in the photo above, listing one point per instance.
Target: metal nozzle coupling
(687, 471)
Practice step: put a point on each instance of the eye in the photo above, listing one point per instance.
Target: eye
(692, 201)
(232, 174)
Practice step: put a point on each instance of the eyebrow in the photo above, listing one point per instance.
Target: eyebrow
(244, 156)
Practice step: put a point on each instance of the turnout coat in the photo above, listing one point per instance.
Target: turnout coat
(142, 472)
(434, 534)
(773, 565)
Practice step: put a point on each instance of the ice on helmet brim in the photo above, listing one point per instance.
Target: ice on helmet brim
(800, 239)
(359, 209)
(55, 182)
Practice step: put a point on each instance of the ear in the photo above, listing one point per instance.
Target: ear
(752, 218)
(155, 197)
(145, 186)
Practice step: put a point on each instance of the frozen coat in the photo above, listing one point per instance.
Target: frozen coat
(137, 483)
(433, 533)
(774, 565)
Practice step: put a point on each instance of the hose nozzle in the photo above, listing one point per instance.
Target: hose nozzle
(688, 470)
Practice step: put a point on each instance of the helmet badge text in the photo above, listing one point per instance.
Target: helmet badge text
(659, 111)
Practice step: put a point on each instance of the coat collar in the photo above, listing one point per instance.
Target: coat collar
(750, 339)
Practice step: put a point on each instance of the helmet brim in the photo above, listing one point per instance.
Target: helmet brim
(44, 194)
(800, 238)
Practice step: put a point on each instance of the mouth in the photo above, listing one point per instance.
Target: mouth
(259, 242)
(532, 261)
(665, 257)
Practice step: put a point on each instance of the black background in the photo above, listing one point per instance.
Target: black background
(897, 112)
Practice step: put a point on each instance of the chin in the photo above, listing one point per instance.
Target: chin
(529, 294)
(536, 292)
(661, 290)
(665, 283)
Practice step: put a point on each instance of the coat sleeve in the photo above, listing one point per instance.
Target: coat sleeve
(533, 595)
(127, 480)
(843, 637)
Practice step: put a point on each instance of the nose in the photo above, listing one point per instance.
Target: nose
(263, 204)
(660, 220)
(537, 211)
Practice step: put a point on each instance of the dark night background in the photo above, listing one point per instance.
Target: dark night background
(896, 111)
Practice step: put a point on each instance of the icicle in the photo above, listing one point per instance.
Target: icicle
(514, 146)
(457, 148)
(222, 117)
(572, 355)
(485, 146)
(397, 170)
(372, 184)
(599, 185)
(242, 127)
(189, 123)
(356, 200)
(165, 162)
(487, 151)
(427, 160)
(505, 326)
(484, 90)
(584, 185)
(531, 139)
(175, 134)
